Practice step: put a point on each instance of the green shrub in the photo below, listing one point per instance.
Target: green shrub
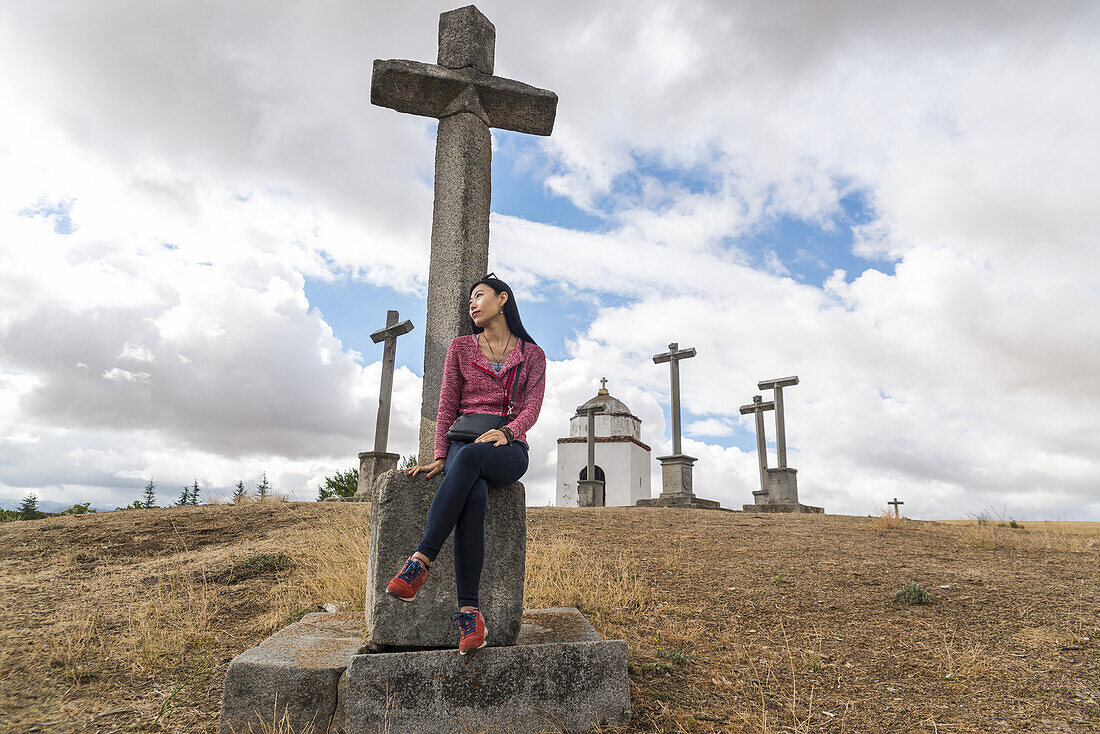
(912, 593)
(341, 484)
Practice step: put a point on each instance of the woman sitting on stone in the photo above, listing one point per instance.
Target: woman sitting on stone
(481, 375)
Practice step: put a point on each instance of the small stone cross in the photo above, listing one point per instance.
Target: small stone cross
(590, 490)
(780, 425)
(895, 503)
(389, 335)
(673, 357)
(603, 384)
(758, 406)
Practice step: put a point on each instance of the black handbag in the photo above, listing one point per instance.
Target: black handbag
(471, 426)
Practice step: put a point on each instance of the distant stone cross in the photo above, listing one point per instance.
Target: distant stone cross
(673, 357)
(780, 424)
(389, 335)
(603, 384)
(461, 91)
(895, 503)
(590, 489)
(759, 407)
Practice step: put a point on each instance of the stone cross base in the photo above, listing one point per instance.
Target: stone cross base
(797, 507)
(371, 465)
(782, 488)
(559, 675)
(676, 475)
(399, 512)
(590, 493)
(676, 485)
(693, 502)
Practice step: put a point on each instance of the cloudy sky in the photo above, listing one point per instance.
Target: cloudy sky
(202, 218)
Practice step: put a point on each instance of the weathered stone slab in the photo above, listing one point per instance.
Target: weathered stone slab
(796, 507)
(694, 503)
(399, 512)
(292, 675)
(559, 676)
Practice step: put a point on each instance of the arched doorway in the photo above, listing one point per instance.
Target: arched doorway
(599, 473)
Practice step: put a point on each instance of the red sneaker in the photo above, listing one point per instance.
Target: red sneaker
(472, 626)
(405, 584)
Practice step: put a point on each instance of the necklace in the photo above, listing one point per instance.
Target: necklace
(498, 360)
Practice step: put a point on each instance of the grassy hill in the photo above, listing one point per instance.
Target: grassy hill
(126, 621)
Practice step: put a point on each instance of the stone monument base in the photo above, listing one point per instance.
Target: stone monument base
(784, 507)
(676, 485)
(590, 493)
(373, 464)
(559, 676)
(690, 501)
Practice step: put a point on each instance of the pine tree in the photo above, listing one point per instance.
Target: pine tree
(195, 493)
(263, 488)
(150, 495)
(185, 496)
(239, 493)
(28, 510)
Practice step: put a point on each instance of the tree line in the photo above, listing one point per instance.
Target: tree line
(341, 484)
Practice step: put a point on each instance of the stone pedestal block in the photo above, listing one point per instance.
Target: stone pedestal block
(694, 503)
(782, 486)
(373, 464)
(796, 507)
(291, 676)
(676, 475)
(676, 488)
(590, 493)
(399, 512)
(559, 676)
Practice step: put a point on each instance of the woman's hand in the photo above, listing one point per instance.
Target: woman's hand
(434, 468)
(495, 436)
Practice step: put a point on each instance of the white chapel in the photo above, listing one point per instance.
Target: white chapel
(622, 460)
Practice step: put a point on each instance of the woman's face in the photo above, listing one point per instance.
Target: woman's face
(485, 304)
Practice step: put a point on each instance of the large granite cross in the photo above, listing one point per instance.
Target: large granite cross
(461, 91)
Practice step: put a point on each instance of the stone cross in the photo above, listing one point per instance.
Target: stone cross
(759, 407)
(462, 93)
(603, 384)
(590, 489)
(780, 427)
(673, 357)
(389, 335)
(895, 503)
(373, 463)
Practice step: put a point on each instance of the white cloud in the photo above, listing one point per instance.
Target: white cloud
(210, 157)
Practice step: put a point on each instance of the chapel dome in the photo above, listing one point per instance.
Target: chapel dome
(611, 404)
(614, 419)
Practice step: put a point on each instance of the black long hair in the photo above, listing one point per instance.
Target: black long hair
(511, 311)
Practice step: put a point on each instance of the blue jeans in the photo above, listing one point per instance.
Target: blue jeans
(461, 502)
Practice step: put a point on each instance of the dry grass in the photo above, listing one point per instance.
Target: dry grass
(126, 621)
(561, 572)
(885, 520)
(991, 535)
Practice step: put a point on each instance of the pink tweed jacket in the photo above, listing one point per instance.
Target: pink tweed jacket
(471, 386)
